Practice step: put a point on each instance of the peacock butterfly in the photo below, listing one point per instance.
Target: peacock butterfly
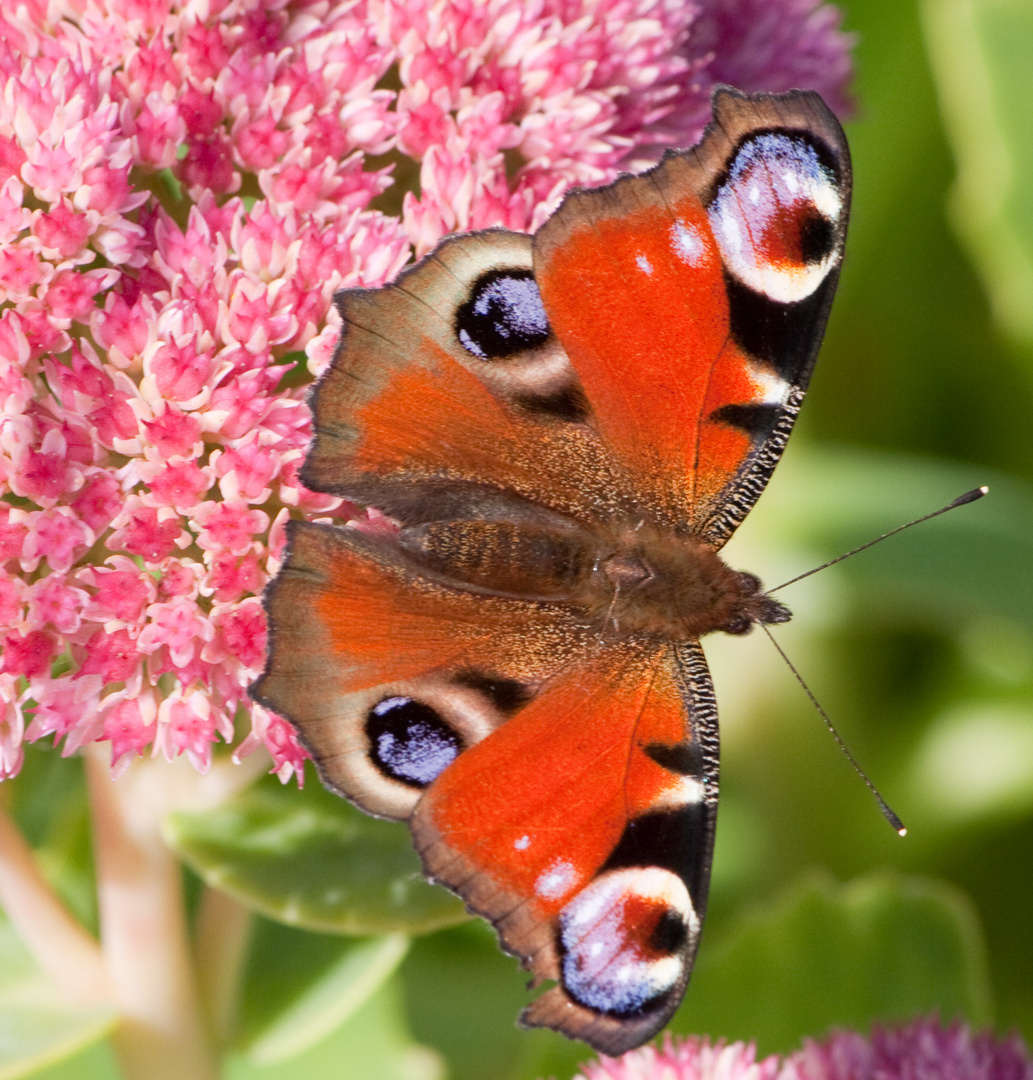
(565, 429)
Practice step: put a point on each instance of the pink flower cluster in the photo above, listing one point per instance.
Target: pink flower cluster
(922, 1050)
(183, 186)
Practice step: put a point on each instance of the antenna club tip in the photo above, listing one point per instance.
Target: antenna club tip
(971, 496)
(902, 831)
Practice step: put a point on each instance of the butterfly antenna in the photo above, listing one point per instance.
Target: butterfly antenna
(887, 812)
(961, 500)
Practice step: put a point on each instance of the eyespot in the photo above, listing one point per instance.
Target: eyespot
(382, 746)
(777, 217)
(503, 316)
(625, 939)
(409, 741)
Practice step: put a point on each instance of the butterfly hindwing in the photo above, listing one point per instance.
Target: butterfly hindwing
(362, 646)
(583, 830)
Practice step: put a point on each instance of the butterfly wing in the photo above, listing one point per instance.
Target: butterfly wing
(691, 301)
(583, 830)
(450, 396)
(387, 675)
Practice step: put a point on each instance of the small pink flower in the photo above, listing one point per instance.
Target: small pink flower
(123, 329)
(114, 657)
(61, 713)
(52, 601)
(188, 726)
(230, 526)
(241, 634)
(231, 576)
(147, 531)
(123, 591)
(247, 470)
(27, 654)
(21, 270)
(180, 577)
(129, 725)
(56, 535)
(61, 231)
(181, 370)
(181, 484)
(288, 754)
(179, 626)
(98, 501)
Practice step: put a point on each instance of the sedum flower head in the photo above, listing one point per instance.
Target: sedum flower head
(183, 186)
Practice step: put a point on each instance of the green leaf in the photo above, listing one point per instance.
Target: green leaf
(310, 859)
(980, 52)
(828, 955)
(463, 996)
(36, 1030)
(330, 1000)
(374, 1044)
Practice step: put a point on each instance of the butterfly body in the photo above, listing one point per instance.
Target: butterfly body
(564, 430)
(627, 577)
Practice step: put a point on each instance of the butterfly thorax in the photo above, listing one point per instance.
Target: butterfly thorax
(630, 577)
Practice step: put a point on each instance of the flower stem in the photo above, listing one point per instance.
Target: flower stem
(144, 931)
(61, 947)
(223, 931)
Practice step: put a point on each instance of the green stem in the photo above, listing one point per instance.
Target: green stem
(144, 929)
(222, 935)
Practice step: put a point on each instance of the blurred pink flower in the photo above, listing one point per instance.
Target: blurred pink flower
(685, 1059)
(183, 187)
(922, 1050)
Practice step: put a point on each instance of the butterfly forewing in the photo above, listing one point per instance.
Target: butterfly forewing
(691, 301)
(564, 430)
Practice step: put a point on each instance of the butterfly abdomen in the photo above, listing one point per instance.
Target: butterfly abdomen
(502, 558)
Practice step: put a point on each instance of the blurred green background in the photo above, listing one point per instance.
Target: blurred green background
(921, 651)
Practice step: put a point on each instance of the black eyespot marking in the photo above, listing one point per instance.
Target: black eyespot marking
(669, 934)
(503, 316)
(758, 421)
(686, 759)
(817, 236)
(409, 741)
(507, 695)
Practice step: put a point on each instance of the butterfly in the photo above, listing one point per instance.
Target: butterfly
(564, 429)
